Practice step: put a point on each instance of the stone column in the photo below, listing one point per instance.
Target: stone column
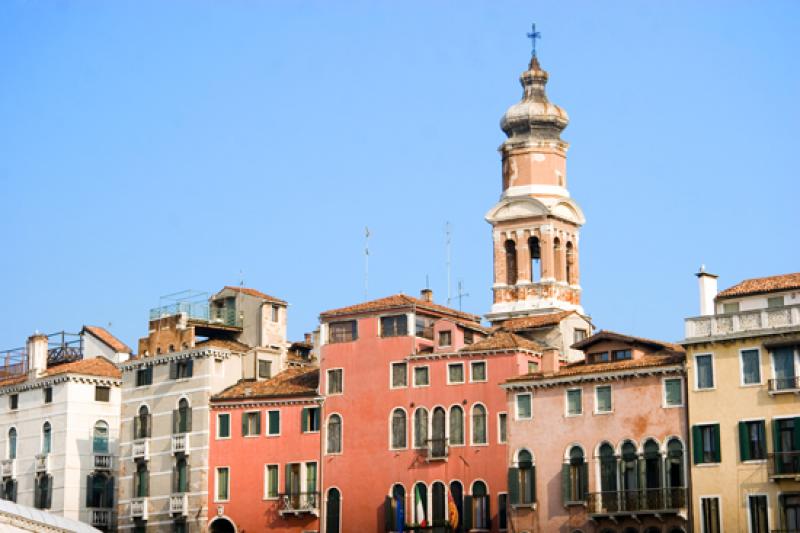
(499, 259)
(523, 258)
(548, 263)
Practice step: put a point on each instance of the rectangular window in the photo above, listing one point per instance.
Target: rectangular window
(710, 522)
(578, 335)
(271, 482)
(223, 425)
(223, 484)
(346, 331)
(775, 301)
(729, 308)
(423, 327)
(13, 401)
(705, 371)
(394, 326)
(310, 419)
(477, 371)
(273, 422)
(399, 375)
(757, 507)
(600, 357)
(752, 440)
(524, 411)
(603, 398)
(445, 338)
(335, 381)
(48, 395)
(421, 377)
(502, 511)
(102, 394)
(251, 424)
(574, 402)
(783, 367)
(502, 425)
(533, 367)
(275, 313)
(455, 373)
(751, 367)
(790, 511)
(673, 392)
(181, 369)
(622, 355)
(469, 337)
(264, 369)
(144, 376)
(705, 443)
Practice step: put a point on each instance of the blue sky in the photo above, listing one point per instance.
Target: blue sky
(148, 147)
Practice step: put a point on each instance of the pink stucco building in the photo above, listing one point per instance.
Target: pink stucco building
(600, 445)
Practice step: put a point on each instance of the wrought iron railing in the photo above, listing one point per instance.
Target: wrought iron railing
(637, 501)
(778, 385)
(784, 464)
(298, 502)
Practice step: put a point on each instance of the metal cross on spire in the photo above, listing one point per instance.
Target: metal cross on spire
(533, 35)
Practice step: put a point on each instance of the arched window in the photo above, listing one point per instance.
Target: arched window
(457, 493)
(456, 426)
(9, 488)
(675, 464)
(575, 476)
(99, 491)
(438, 434)
(183, 417)
(558, 260)
(398, 502)
(141, 423)
(536, 258)
(420, 503)
(100, 437)
(47, 438)
(630, 467)
(333, 511)
(652, 465)
(608, 469)
(12, 443)
(525, 477)
(480, 506)
(571, 264)
(420, 427)
(398, 428)
(511, 262)
(180, 475)
(141, 481)
(439, 499)
(479, 424)
(334, 442)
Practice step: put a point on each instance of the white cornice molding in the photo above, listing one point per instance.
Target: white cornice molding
(593, 377)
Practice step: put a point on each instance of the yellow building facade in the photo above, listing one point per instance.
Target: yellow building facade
(743, 381)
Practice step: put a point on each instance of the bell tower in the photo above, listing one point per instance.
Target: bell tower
(535, 224)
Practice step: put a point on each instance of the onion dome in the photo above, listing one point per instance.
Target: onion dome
(534, 117)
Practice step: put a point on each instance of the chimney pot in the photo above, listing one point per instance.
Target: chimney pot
(426, 294)
(307, 337)
(550, 362)
(708, 290)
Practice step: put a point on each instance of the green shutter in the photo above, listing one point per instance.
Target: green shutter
(110, 492)
(258, 423)
(274, 423)
(744, 442)
(89, 484)
(488, 511)
(388, 513)
(565, 488)
(796, 435)
(466, 520)
(244, 424)
(717, 449)
(304, 419)
(513, 485)
(287, 487)
(697, 444)
(776, 437)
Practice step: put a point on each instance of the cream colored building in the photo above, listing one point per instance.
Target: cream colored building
(744, 408)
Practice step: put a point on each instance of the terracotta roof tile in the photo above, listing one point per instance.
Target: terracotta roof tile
(13, 380)
(606, 335)
(503, 340)
(784, 282)
(223, 344)
(399, 301)
(105, 336)
(291, 382)
(257, 294)
(535, 321)
(96, 366)
(664, 358)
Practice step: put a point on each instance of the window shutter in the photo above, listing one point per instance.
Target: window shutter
(173, 370)
(513, 485)
(258, 423)
(744, 442)
(89, 486)
(36, 494)
(776, 437)
(49, 494)
(466, 520)
(584, 481)
(533, 484)
(109, 492)
(146, 483)
(189, 368)
(136, 430)
(148, 422)
(175, 419)
(387, 513)
(188, 420)
(244, 424)
(717, 449)
(274, 422)
(565, 492)
(286, 482)
(488, 501)
(697, 444)
(304, 419)
(175, 479)
(14, 490)
(796, 435)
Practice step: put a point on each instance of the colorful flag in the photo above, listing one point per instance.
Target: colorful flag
(420, 508)
(452, 510)
(401, 515)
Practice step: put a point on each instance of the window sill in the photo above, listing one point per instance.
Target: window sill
(575, 504)
(479, 381)
(603, 413)
(573, 415)
(707, 465)
(531, 506)
(672, 406)
(705, 389)
(754, 462)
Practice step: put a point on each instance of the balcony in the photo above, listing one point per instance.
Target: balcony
(437, 450)
(743, 322)
(637, 502)
(789, 385)
(42, 461)
(102, 461)
(179, 504)
(140, 449)
(101, 517)
(8, 468)
(180, 443)
(784, 465)
(139, 508)
(298, 503)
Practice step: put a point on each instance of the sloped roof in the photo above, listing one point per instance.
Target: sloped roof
(535, 321)
(783, 282)
(397, 301)
(97, 366)
(605, 335)
(22, 518)
(255, 293)
(503, 340)
(105, 336)
(295, 381)
(657, 359)
(224, 344)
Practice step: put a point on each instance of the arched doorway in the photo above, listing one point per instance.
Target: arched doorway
(221, 525)
(332, 511)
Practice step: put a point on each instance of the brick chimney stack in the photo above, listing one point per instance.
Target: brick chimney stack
(550, 361)
(37, 354)
(426, 294)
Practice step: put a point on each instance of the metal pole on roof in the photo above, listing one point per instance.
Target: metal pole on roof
(366, 262)
(447, 245)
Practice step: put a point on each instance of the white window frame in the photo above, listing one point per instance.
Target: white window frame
(771, 355)
(414, 376)
(766, 431)
(266, 481)
(760, 382)
(747, 506)
(328, 381)
(439, 338)
(230, 426)
(516, 406)
(566, 402)
(664, 403)
(266, 423)
(697, 372)
(341, 436)
(463, 374)
(391, 427)
(719, 506)
(391, 375)
(447, 425)
(499, 432)
(319, 416)
(597, 411)
(472, 426)
(485, 371)
(246, 413)
(216, 484)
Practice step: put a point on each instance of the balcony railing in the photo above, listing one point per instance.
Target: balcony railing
(298, 503)
(646, 501)
(784, 465)
(101, 517)
(784, 385)
(42, 462)
(180, 443)
(437, 449)
(8, 468)
(141, 449)
(139, 508)
(179, 504)
(102, 461)
(742, 322)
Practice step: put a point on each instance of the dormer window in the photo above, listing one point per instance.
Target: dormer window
(445, 338)
(345, 331)
(394, 326)
(775, 301)
(732, 307)
(599, 357)
(424, 327)
(469, 336)
(622, 355)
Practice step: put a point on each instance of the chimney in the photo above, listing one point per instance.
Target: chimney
(708, 290)
(37, 354)
(550, 362)
(307, 338)
(426, 294)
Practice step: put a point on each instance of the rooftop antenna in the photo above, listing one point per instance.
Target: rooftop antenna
(447, 243)
(366, 262)
(461, 294)
(427, 282)
(241, 278)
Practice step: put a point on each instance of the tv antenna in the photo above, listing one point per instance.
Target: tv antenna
(461, 294)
